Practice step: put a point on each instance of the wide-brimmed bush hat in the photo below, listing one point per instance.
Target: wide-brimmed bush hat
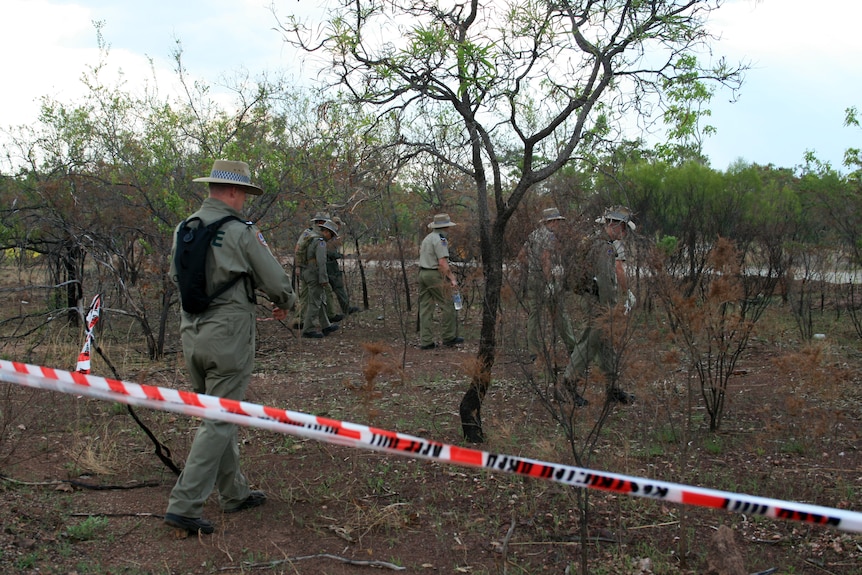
(441, 221)
(330, 225)
(617, 214)
(551, 214)
(231, 172)
(320, 217)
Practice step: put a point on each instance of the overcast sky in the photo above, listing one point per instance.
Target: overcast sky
(804, 57)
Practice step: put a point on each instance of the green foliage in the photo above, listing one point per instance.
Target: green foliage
(687, 97)
(667, 245)
(853, 156)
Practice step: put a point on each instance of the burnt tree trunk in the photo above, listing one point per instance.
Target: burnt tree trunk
(471, 405)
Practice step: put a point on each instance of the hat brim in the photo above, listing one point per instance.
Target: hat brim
(554, 219)
(603, 220)
(434, 226)
(249, 188)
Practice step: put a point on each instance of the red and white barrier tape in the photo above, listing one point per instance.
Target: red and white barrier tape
(354, 435)
(92, 320)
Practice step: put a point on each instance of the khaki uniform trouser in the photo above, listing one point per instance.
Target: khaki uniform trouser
(302, 301)
(218, 346)
(432, 291)
(547, 319)
(315, 316)
(592, 345)
(337, 290)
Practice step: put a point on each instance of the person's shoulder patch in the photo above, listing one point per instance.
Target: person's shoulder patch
(261, 239)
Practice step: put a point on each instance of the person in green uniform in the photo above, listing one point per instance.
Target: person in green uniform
(541, 258)
(436, 285)
(316, 323)
(606, 263)
(219, 345)
(299, 263)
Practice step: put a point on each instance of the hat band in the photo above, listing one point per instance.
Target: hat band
(232, 176)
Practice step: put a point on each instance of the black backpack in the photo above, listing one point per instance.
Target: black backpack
(190, 259)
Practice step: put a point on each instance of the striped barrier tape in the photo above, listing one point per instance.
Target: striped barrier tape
(360, 436)
(92, 320)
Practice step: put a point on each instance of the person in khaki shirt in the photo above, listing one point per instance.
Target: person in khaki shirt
(606, 263)
(299, 260)
(436, 285)
(316, 322)
(542, 266)
(219, 345)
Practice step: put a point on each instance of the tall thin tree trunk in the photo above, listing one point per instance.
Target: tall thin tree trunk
(471, 405)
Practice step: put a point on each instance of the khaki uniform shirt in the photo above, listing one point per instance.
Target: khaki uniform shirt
(541, 246)
(239, 248)
(603, 256)
(433, 247)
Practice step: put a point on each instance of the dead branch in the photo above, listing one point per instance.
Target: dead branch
(271, 564)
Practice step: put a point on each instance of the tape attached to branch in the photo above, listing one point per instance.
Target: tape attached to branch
(364, 437)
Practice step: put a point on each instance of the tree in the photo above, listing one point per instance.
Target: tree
(530, 83)
(104, 182)
(836, 203)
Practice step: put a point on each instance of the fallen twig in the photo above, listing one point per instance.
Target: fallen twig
(819, 566)
(505, 546)
(275, 563)
(665, 524)
(156, 515)
(597, 539)
(77, 483)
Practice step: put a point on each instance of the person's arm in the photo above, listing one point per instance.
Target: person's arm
(446, 271)
(268, 274)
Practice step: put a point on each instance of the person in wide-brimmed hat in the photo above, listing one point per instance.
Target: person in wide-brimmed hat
(219, 344)
(541, 269)
(315, 280)
(434, 274)
(605, 265)
(335, 288)
(299, 261)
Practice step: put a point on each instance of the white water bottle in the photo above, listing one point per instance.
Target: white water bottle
(456, 297)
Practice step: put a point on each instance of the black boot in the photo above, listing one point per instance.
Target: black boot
(567, 393)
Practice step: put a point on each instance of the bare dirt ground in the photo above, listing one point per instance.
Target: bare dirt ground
(791, 430)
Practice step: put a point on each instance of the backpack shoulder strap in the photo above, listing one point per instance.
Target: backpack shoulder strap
(249, 283)
(220, 222)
